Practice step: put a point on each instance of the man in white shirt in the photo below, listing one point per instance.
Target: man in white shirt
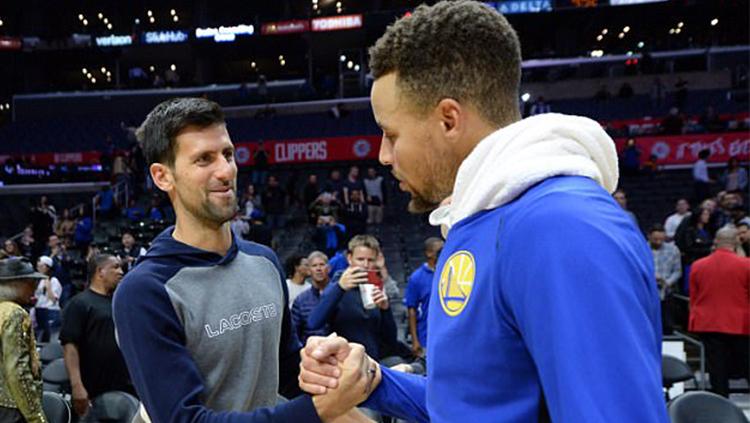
(47, 309)
(298, 267)
(701, 181)
(682, 210)
(374, 190)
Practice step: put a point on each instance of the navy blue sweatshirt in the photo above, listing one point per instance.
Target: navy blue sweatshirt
(209, 338)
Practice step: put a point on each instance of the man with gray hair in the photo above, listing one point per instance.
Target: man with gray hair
(310, 298)
(720, 309)
(21, 376)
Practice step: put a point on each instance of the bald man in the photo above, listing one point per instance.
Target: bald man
(720, 309)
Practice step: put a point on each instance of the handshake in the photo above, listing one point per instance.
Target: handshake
(339, 375)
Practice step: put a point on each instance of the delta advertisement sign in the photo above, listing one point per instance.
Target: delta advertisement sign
(684, 149)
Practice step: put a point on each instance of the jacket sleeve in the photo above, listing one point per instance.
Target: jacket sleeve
(21, 367)
(325, 310)
(168, 382)
(400, 395)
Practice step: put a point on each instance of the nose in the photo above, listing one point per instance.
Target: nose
(226, 170)
(385, 156)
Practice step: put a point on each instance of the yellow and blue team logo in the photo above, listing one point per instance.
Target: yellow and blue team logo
(456, 282)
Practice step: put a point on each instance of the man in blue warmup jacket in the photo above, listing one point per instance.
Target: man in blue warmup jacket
(543, 303)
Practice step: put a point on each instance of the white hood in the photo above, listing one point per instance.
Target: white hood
(516, 157)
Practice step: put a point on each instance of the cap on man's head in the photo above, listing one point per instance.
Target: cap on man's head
(17, 268)
(46, 260)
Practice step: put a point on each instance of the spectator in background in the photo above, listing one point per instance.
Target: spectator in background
(84, 228)
(335, 185)
(66, 226)
(701, 181)
(274, 201)
(329, 236)
(540, 107)
(106, 203)
(260, 165)
(682, 210)
(711, 122)
(355, 214)
(622, 200)
(673, 123)
(668, 269)
(631, 158)
(743, 239)
(48, 292)
(735, 176)
(250, 201)
(94, 362)
(417, 298)
(239, 226)
(307, 300)
(352, 183)
(10, 249)
(27, 242)
(375, 198)
(130, 251)
(720, 310)
(299, 267)
(657, 93)
(21, 375)
(325, 205)
(724, 215)
(694, 238)
(342, 308)
(311, 190)
(61, 260)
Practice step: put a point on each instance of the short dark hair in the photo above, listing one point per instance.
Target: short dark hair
(704, 154)
(462, 50)
(158, 132)
(292, 263)
(96, 262)
(656, 227)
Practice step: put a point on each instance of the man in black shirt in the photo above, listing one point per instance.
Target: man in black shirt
(92, 357)
(274, 201)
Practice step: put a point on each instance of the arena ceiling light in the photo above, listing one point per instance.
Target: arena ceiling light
(626, 29)
(714, 21)
(253, 65)
(356, 68)
(342, 58)
(525, 97)
(173, 67)
(641, 44)
(604, 31)
(599, 37)
(80, 17)
(621, 35)
(100, 15)
(1, 22)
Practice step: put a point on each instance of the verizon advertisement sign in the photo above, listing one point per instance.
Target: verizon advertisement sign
(684, 149)
(285, 27)
(336, 23)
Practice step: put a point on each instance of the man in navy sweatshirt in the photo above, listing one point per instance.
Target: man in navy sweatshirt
(203, 321)
(543, 304)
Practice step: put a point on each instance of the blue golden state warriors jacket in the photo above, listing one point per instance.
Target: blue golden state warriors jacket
(545, 304)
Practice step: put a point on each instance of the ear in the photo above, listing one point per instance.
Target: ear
(349, 258)
(450, 113)
(162, 176)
